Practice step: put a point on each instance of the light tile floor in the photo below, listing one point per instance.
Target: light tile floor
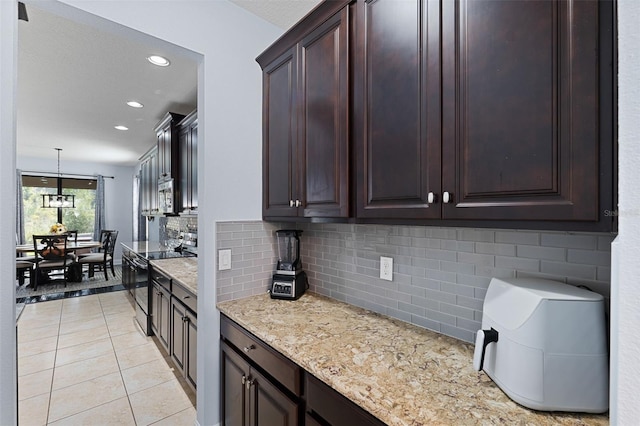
(83, 361)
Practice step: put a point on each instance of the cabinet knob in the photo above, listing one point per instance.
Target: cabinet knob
(248, 384)
(431, 198)
(244, 379)
(298, 203)
(246, 349)
(447, 197)
(291, 203)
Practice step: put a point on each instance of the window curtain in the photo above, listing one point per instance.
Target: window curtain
(99, 214)
(19, 209)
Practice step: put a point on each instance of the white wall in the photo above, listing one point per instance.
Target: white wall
(8, 72)
(625, 301)
(118, 194)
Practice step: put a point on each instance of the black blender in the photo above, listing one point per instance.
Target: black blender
(289, 280)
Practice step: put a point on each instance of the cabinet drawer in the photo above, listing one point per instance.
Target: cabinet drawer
(189, 299)
(161, 279)
(334, 408)
(272, 362)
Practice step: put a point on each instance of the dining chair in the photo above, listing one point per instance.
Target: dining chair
(72, 236)
(23, 267)
(51, 254)
(103, 259)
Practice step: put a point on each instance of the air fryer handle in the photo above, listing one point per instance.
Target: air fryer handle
(483, 338)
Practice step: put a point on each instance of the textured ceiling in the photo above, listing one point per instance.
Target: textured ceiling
(283, 13)
(74, 80)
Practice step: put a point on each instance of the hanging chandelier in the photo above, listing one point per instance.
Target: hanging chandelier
(59, 200)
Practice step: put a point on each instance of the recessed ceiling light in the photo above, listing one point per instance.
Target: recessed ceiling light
(135, 104)
(158, 60)
(121, 127)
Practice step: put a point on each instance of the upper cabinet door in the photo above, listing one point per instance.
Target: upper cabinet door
(279, 154)
(323, 133)
(520, 110)
(397, 108)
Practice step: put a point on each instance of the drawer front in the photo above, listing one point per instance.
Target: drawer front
(278, 366)
(161, 279)
(333, 407)
(189, 299)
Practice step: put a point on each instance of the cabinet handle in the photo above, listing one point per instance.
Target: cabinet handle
(246, 349)
(291, 203)
(431, 198)
(446, 197)
(186, 297)
(298, 203)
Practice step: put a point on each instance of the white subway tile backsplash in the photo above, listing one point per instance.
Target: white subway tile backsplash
(440, 276)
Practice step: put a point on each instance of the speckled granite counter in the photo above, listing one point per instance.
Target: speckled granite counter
(181, 269)
(402, 374)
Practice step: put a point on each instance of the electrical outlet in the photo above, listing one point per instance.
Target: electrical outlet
(386, 268)
(224, 259)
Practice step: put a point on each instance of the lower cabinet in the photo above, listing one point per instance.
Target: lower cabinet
(184, 328)
(259, 386)
(174, 322)
(160, 317)
(249, 398)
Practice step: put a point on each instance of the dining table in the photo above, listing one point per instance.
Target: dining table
(71, 246)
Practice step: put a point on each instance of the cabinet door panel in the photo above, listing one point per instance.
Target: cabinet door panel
(165, 322)
(323, 123)
(234, 402)
(520, 135)
(279, 138)
(177, 334)
(194, 167)
(398, 73)
(269, 406)
(184, 142)
(191, 346)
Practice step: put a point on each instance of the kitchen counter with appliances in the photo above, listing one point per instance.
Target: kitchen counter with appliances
(136, 256)
(400, 373)
(183, 270)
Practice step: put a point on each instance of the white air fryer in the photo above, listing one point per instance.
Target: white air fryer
(545, 344)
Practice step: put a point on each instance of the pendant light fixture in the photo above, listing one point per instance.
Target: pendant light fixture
(59, 200)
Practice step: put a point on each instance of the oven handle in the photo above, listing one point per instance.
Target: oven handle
(136, 263)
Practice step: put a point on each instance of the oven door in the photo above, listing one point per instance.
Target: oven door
(137, 283)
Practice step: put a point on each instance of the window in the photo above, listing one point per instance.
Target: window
(38, 220)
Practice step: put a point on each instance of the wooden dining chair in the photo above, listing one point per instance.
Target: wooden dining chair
(51, 254)
(24, 267)
(72, 236)
(102, 259)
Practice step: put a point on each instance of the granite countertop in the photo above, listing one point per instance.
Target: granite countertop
(184, 270)
(401, 373)
(144, 246)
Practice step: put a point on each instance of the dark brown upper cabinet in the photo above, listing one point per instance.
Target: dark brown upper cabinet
(168, 153)
(512, 128)
(149, 183)
(521, 110)
(188, 147)
(397, 109)
(306, 117)
(458, 113)
(169, 160)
